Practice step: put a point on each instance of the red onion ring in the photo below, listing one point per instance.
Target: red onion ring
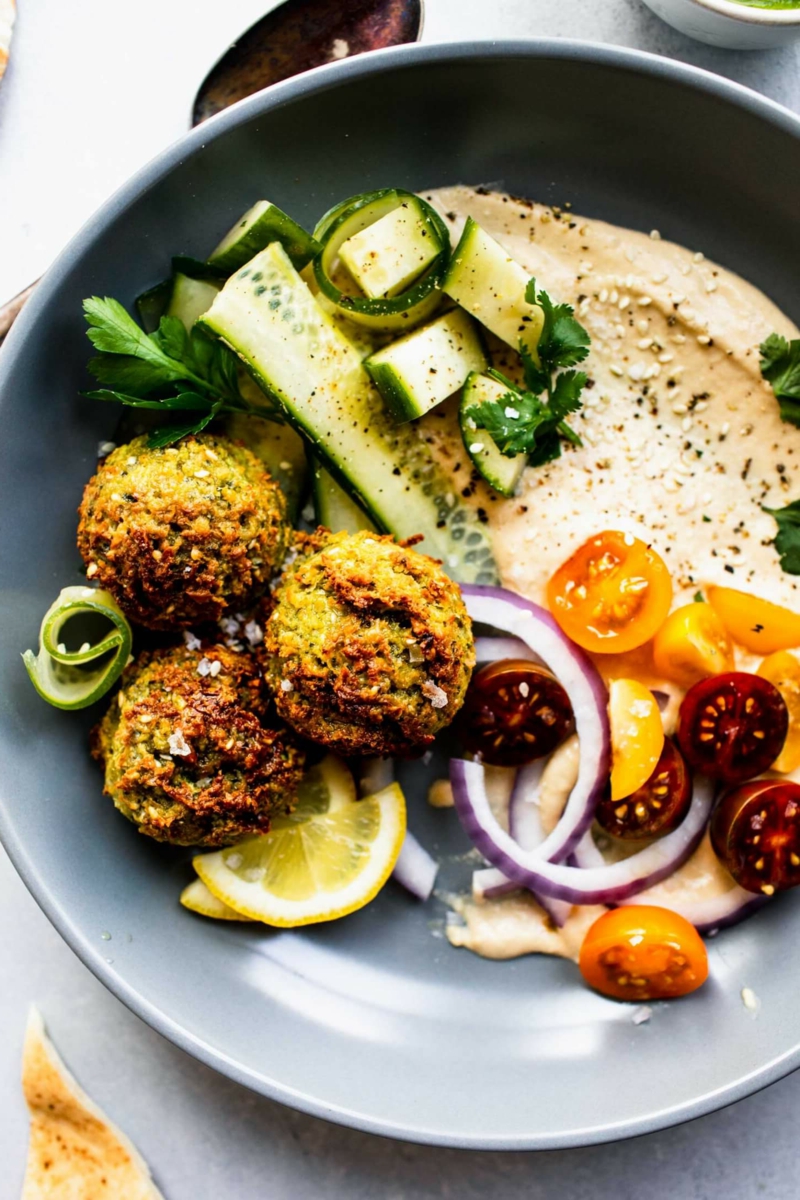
(578, 676)
(491, 649)
(609, 884)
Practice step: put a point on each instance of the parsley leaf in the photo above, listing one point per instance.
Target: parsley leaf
(780, 366)
(168, 370)
(532, 420)
(787, 541)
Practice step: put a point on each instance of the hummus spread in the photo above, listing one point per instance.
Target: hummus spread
(682, 446)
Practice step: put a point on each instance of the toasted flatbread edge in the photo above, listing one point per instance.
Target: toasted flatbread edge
(40, 1057)
(8, 12)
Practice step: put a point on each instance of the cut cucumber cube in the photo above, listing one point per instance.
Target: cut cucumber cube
(190, 298)
(501, 473)
(268, 316)
(423, 368)
(260, 225)
(485, 280)
(334, 508)
(387, 256)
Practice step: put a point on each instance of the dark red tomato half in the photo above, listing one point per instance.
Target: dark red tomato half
(755, 832)
(515, 711)
(732, 727)
(657, 806)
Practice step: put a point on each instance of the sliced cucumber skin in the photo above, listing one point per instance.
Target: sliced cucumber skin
(484, 279)
(500, 472)
(262, 224)
(409, 399)
(298, 356)
(334, 507)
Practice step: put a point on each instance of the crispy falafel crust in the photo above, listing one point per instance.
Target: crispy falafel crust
(369, 648)
(196, 759)
(182, 534)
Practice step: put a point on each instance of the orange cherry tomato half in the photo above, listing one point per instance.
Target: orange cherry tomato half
(692, 644)
(637, 735)
(612, 594)
(755, 832)
(757, 624)
(515, 711)
(643, 952)
(783, 669)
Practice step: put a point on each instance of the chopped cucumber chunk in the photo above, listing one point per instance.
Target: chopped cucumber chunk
(292, 347)
(485, 280)
(390, 254)
(423, 368)
(501, 473)
(260, 225)
(190, 298)
(334, 508)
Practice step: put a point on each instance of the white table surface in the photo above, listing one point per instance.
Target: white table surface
(127, 70)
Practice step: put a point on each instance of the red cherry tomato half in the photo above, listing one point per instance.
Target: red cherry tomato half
(732, 727)
(657, 806)
(755, 832)
(515, 711)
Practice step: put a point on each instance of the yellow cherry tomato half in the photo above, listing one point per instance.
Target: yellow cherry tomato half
(783, 670)
(612, 594)
(637, 736)
(691, 645)
(758, 625)
(643, 952)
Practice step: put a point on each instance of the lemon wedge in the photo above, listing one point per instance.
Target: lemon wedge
(197, 898)
(312, 866)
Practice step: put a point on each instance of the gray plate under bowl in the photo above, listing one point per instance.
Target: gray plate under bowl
(376, 1022)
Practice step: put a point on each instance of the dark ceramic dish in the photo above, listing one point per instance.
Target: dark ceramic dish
(376, 1022)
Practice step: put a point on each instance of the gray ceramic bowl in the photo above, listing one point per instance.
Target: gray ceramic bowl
(375, 1021)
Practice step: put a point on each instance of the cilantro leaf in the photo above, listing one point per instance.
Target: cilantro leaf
(168, 370)
(532, 420)
(780, 366)
(787, 540)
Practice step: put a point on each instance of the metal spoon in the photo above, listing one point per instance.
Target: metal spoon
(294, 37)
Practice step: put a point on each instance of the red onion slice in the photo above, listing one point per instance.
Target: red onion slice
(578, 676)
(492, 649)
(415, 869)
(609, 884)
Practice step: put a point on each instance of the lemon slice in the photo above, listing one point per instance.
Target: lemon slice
(199, 899)
(315, 869)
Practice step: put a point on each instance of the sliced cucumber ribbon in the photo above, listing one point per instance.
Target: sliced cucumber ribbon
(62, 677)
(386, 313)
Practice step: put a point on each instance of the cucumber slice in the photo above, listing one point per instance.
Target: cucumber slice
(501, 473)
(260, 225)
(486, 281)
(383, 313)
(64, 678)
(334, 508)
(280, 447)
(190, 298)
(268, 316)
(387, 256)
(152, 304)
(422, 369)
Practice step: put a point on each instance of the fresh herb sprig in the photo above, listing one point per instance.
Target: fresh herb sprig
(780, 366)
(169, 371)
(532, 420)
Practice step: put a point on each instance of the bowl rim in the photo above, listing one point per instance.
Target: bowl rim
(637, 62)
(747, 14)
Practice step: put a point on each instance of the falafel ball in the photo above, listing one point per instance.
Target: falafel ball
(182, 534)
(190, 753)
(369, 647)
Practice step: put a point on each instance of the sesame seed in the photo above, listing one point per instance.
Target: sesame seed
(643, 325)
(91, 570)
(643, 301)
(285, 466)
(686, 424)
(132, 461)
(699, 256)
(655, 235)
(644, 343)
(703, 339)
(637, 372)
(666, 357)
(616, 369)
(476, 447)
(750, 999)
(623, 302)
(680, 410)
(104, 448)
(725, 428)
(701, 406)
(711, 285)
(202, 473)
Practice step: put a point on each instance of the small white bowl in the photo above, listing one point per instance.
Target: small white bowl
(730, 24)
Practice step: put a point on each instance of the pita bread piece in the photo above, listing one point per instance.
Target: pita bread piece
(8, 11)
(75, 1152)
